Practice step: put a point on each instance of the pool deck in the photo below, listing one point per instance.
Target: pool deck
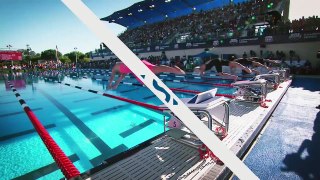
(166, 158)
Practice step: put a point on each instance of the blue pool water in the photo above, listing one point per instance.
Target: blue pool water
(88, 127)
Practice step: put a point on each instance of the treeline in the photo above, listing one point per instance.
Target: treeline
(50, 55)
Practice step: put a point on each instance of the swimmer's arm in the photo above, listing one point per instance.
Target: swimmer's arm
(272, 61)
(257, 64)
(238, 65)
(202, 69)
(111, 78)
(118, 81)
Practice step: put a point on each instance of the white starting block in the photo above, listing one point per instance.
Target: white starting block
(251, 91)
(284, 74)
(273, 80)
(74, 74)
(210, 109)
(99, 76)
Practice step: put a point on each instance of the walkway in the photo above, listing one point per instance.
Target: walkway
(289, 148)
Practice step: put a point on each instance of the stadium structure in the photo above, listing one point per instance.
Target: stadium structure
(184, 28)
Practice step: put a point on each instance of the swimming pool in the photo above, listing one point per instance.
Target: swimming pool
(88, 127)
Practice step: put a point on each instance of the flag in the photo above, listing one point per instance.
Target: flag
(57, 58)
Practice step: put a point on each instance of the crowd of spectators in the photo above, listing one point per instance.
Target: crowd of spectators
(234, 20)
(231, 19)
(306, 24)
(289, 59)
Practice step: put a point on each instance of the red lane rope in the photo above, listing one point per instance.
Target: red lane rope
(213, 84)
(150, 106)
(185, 90)
(63, 162)
(227, 95)
(197, 92)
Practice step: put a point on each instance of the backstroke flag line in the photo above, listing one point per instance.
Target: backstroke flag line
(159, 89)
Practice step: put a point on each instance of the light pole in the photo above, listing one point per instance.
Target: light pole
(75, 49)
(9, 46)
(28, 51)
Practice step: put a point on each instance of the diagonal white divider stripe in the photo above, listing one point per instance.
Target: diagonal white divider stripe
(153, 83)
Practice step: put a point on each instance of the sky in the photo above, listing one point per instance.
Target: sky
(45, 24)
(306, 8)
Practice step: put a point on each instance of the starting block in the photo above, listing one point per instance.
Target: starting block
(210, 109)
(283, 73)
(273, 80)
(251, 91)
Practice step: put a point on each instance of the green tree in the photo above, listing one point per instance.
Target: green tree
(72, 56)
(88, 54)
(29, 55)
(50, 55)
(86, 59)
(35, 58)
(65, 59)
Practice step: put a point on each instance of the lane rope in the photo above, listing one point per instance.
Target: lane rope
(63, 162)
(150, 106)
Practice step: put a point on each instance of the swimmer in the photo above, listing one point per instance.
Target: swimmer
(123, 70)
(218, 64)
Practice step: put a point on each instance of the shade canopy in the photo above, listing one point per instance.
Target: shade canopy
(152, 11)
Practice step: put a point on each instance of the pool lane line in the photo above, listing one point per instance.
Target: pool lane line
(173, 89)
(87, 99)
(9, 102)
(150, 106)
(23, 133)
(180, 90)
(64, 163)
(107, 110)
(129, 90)
(138, 84)
(149, 97)
(136, 128)
(91, 136)
(16, 113)
(45, 170)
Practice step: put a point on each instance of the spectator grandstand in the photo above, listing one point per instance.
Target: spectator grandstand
(232, 20)
(160, 26)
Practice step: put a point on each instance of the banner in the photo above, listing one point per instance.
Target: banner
(268, 39)
(284, 38)
(10, 56)
(295, 36)
(314, 35)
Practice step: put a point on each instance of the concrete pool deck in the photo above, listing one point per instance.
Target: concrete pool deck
(165, 158)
